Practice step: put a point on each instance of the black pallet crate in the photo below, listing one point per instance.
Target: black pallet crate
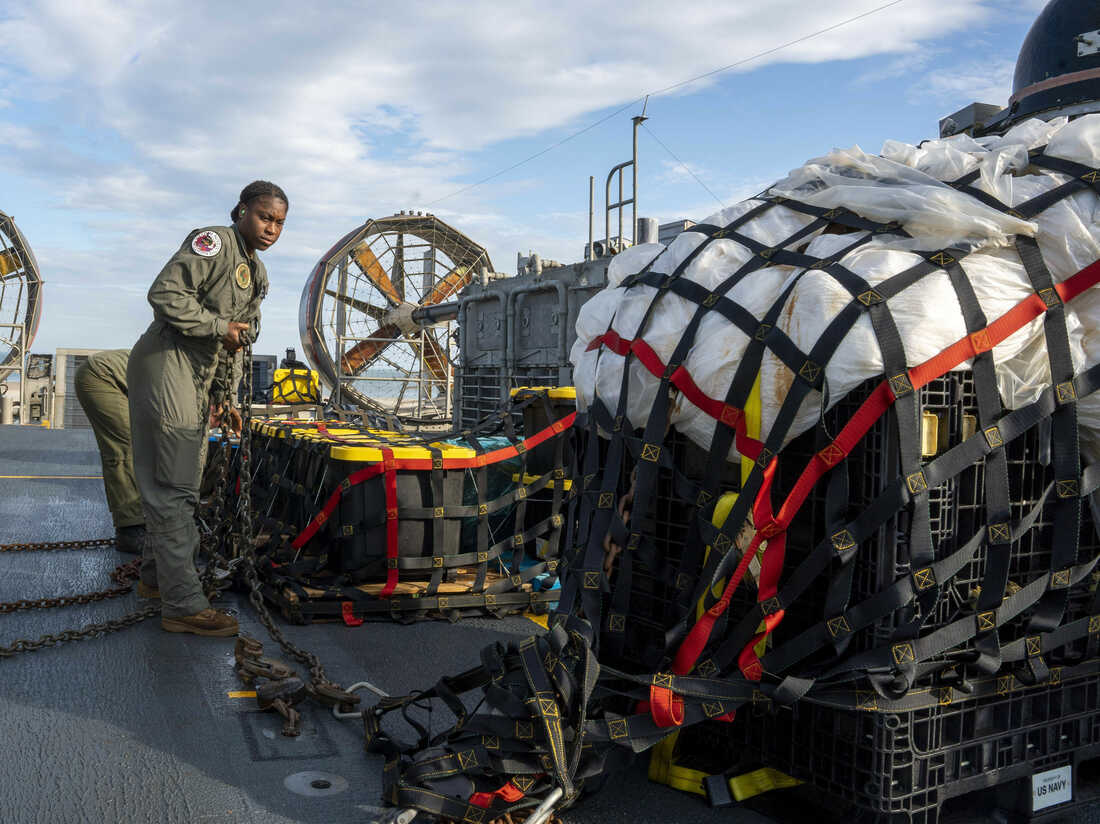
(948, 413)
(957, 511)
(657, 589)
(924, 766)
(482, 390)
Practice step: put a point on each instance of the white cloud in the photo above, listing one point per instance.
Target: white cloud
(984, 81)
(360, 109)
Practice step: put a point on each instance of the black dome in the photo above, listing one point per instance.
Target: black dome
(1058, 67)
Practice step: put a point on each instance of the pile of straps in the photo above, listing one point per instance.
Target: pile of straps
(321, 514)
(550, 717)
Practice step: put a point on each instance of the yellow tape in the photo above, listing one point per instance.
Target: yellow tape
(241, 694)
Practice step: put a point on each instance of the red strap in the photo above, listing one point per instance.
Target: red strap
(731, 416)
(869, 411)
(390, 475)
(347, 611)
(696, 640)
(509, 793)
(666, 707)
(354, 479)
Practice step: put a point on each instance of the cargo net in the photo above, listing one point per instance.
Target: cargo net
(360, 523)
(832, 452)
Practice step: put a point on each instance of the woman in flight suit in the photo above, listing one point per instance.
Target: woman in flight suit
(206, 305)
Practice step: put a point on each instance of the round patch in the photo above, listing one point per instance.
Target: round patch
(206, 244)
(243, 275)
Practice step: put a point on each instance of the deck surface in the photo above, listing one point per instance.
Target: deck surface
(140, 725)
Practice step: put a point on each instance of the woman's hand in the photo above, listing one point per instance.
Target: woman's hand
(232, 338)
(218, 417)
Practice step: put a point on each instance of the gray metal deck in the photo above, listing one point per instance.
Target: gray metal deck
(140, 726)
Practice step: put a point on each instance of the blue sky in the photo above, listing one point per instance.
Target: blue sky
(124, 126)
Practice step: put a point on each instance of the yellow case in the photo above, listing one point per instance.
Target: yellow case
(295, 386)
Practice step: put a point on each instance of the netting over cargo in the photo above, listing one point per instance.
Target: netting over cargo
(840, 438)
(361, 523)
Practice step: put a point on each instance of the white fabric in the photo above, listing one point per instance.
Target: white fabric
(904, 184)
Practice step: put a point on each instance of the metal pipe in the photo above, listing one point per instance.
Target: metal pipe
(591, 214)
(437, 313)
(607, 214)
(620, 210)
(634, 194)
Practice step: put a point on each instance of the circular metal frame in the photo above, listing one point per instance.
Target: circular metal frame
(20, 296)
(359, 317)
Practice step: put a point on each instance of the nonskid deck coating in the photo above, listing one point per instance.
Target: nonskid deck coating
(139, 726)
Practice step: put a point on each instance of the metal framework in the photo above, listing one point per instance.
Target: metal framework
(20, 299)
(357, 322)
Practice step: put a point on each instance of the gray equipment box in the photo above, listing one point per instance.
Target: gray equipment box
(518, 332)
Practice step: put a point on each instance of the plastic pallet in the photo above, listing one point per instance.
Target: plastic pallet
(903, 767)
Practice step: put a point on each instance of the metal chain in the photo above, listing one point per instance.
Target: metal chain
(123, 575)
(42, 547)
(243, 537)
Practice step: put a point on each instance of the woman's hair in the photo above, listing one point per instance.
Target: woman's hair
(257, 189)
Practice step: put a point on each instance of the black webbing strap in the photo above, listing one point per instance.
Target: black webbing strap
(997, 496)
(1064, 444)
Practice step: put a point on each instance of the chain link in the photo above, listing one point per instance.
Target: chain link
(243, 541)
(54, 545)
(220, 529)
(124, 575)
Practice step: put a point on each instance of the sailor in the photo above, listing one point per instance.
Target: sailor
(206, 306)
(101, 389)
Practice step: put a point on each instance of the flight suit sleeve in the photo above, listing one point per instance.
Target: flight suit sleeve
(174, 295)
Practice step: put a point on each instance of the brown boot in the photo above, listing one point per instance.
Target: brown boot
(145, 591)
(207, 622)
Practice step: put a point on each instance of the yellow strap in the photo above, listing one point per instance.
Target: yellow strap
(760, 781)
(753, 412)
(664, 770)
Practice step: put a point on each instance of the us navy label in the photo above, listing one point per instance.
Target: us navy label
(1051, 787)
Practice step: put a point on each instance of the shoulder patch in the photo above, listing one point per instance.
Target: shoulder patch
(206, 243)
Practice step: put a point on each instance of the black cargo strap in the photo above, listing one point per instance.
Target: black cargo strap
(900, 641)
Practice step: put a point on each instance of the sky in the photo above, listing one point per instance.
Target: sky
(123, 126)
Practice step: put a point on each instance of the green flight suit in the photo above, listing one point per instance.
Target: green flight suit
(177, 369)
(101, 389)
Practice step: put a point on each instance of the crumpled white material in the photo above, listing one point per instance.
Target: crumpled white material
(906, 185)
